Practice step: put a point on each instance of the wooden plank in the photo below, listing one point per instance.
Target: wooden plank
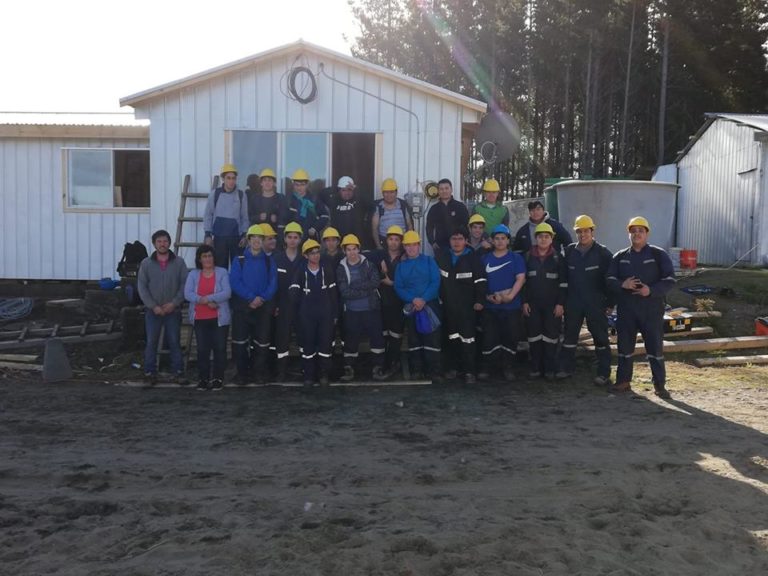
(710, 314)
(21, 366)
(705, 345)
(18, 357)
(731, 360)
(695, 331)
(35, 342)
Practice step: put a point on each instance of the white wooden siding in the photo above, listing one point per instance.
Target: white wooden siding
(42, 241)
(718, 200)
(188, 127)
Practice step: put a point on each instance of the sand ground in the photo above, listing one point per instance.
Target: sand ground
(516, 479)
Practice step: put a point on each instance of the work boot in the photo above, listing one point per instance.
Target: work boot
(349, 374)
(324, 382)
(451, 375)
(378, 373)
(202, 385)
(180, 379)
(621, 388)
(150, 379)
(534, 374)
(216, 384)
(661, 392)
(483, 376)
(602, 381)
(562, 375)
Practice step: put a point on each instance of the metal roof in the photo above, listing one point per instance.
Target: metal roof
(304, 46)
(70, 119)
(756, 121)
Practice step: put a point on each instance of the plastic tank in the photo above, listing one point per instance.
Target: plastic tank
(611, 203)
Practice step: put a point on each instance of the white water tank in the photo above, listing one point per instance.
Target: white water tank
(611, 203)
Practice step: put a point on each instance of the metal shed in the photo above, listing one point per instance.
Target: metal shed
(722, 211)
(65, 209)
(363, 120)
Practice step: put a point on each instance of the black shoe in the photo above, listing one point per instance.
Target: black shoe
(509, 374)
(203, 385)
(309, 383)
(451, 375)
(323, 380)
(348, 376)
(150, 379)
(483, 376)
(469, 379)
(438, 380)
(180, 379)
(662, 392)
(216, 384)
(378, 373)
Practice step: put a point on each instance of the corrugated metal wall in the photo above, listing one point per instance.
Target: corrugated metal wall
(39, 239)
(719, 180)
(187, 131)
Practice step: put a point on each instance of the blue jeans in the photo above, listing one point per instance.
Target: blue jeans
(153, 325)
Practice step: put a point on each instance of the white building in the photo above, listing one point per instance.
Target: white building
(359, 120)
(74, 188)
(722, 211)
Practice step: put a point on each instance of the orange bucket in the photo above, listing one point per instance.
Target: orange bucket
(688, 259)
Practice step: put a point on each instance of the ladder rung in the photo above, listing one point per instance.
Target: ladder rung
(188, 244)
(194, 195)
(191, 219)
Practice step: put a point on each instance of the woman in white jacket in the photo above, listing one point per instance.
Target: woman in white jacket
(208, 292)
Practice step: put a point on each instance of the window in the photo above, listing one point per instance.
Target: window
(103, 178)
(307, 150)
(253, 151)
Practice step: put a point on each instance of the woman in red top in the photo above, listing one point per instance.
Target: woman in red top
(208, 292)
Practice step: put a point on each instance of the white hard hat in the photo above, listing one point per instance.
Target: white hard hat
(345, 181)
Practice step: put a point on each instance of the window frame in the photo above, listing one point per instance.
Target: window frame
(65, 195)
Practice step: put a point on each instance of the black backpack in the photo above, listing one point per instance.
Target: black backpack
(133, 254)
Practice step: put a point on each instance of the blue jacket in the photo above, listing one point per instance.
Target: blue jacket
(652, 265)
(221, 294)
(417, 278)
(252, 276)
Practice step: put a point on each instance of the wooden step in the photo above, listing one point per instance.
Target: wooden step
(758, 359)
(705, 345)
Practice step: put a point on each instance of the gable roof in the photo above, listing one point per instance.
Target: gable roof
(756, 121)
(72, 125)
(297, 47)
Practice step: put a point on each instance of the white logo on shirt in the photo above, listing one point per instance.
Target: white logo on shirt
(489, 268)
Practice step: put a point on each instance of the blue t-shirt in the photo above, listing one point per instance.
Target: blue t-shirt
(501, 274)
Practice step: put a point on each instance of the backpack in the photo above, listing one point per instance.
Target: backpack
(133, 254)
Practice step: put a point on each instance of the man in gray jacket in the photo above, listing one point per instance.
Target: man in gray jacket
(161, 287)
(226, 218)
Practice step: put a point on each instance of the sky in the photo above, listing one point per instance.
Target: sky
(84, 55)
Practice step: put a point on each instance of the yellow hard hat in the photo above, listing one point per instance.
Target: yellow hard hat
(476, 219)
(544, 228)
(583, 222)
(395, 229)
(331, 232)
(268, 173)
(639, 221)
(293, 227)
(256, 230)
(267, 229)
(411, 237)
(350, 239)
(309, 245)
(228, 168)
(389, 185)
(300, 174)
(491, 185)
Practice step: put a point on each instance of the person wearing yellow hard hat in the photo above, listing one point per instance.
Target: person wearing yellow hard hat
(587, 263)
(546, 287)
(444, 217)
(287, 261)
(639, 277)
(315, 297)
(389, 211)
(308, 211)
(492, 211)
(526, 235)
(478, 239)
(253, 278)
(393, 321)
(331, 247)
(265, 204)
(358, 282)
(417, 283)
(225, 219)
(269, 245)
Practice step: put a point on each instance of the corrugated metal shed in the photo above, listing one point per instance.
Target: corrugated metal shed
(418, 126)
(721, 203)
(41, 238)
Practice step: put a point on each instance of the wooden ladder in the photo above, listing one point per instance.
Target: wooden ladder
(186, 194)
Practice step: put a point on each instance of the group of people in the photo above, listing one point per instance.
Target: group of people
(273, 266)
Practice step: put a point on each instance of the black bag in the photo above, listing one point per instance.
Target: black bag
(133, 254)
